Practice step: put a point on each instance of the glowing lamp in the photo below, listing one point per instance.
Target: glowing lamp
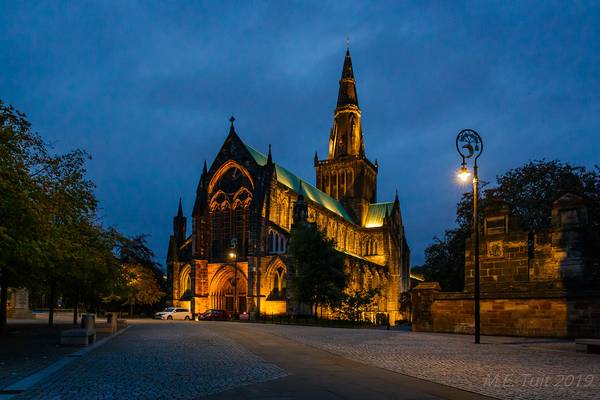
(463, 174)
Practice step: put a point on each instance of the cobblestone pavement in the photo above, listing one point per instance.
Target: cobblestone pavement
(157, 360)
(506, 368)
(30, 346)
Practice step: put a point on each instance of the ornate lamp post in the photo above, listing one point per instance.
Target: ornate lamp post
(469, 144)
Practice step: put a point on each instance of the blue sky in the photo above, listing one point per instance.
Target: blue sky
(147, 88)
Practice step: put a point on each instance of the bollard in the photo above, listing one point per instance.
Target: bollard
(88, 321)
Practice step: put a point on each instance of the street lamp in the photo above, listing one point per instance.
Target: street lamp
(469, 144)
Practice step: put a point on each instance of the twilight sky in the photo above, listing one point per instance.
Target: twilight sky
(147, 88)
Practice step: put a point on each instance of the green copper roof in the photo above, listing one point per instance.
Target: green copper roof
(376, 213)
(294, 182)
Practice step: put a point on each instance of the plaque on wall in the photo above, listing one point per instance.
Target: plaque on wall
(495, 249)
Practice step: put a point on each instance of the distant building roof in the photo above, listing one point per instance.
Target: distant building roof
(377, 212)
(287, 178)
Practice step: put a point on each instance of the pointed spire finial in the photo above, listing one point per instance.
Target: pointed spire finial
(347, 42)
(347, 91)
(316, 157)
(269, 157)
(347, 72)
(180, 209)
(204, 169)
(232, 128)
(396, 198)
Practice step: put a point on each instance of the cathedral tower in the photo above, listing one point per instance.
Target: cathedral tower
(347, 174)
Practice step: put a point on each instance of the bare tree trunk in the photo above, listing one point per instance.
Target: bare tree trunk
(3, 301)
(51, 305)
(75, 305)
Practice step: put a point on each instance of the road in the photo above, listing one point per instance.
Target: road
(223, 360)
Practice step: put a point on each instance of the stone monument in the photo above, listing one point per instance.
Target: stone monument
(19, 304)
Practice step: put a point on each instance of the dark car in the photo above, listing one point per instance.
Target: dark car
(214, 315)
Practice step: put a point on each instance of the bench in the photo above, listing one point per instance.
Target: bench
(82, 336)
(587, 346)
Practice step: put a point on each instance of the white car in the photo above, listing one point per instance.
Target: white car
(174, 313)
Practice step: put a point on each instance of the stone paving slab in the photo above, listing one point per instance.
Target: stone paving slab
(506, 368)
(155, 361)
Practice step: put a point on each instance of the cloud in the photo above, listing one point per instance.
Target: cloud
(147, 88)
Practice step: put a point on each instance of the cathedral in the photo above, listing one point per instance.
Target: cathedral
(236, 256)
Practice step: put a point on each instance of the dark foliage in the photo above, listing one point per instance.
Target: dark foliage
(530, 191)
(319, 278)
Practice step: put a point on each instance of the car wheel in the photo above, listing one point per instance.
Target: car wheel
(187, 318)
(170, 317)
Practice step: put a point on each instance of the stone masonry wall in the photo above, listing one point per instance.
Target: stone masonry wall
(523, 278)
(554, 315)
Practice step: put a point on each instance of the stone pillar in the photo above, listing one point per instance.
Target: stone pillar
(569, 217)
(422, 298)
(19, 301)
(252, 285)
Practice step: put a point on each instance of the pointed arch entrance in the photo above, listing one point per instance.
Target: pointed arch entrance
(223, 289)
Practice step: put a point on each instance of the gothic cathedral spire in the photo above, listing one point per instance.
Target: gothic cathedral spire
(346, 135)
(347, 174)
(347, 92)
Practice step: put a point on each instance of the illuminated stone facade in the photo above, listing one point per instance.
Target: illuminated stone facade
(236, 257)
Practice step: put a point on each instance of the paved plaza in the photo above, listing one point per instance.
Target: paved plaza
(174, 360)
(223, 360)
(29, 346)
(502, 367)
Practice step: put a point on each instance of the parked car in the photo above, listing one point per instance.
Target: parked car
(214, 315)
(174, 313)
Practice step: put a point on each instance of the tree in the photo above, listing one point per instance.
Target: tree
(318, 278)
(72, 237)
(22, 155)
(530, 191)
(142, 276)
(445, 260)
(50, 236)
(357, 302)
(142, 286)
(92, 270)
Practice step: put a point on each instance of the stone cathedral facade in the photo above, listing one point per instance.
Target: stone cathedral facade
(236, 256)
